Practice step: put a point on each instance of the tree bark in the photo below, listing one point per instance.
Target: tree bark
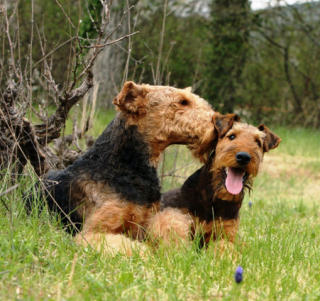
(108, 68)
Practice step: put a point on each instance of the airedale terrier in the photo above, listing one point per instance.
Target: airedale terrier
(210, 199)
(114, 186)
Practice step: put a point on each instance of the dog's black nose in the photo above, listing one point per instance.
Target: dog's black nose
(243, 158)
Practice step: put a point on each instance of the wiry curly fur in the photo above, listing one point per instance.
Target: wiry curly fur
(119, 159)
(203, 201)
(113, 188)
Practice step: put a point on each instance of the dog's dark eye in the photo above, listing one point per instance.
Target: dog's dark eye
(231, 137)
(258, 142)
(184, 102)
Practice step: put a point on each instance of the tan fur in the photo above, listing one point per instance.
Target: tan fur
(110, 243)
(226, 228)
(177, 225)
(106, 225)
(217, 229)
(166, 115)
(247, 128)
(96, 194)
(171, 224)
(116, 216)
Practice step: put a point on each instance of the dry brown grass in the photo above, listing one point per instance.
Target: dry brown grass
(300, 175)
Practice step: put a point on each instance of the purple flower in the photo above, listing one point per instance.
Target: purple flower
(238, 274)
(250, 204)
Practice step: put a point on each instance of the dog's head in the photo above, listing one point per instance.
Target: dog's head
(167, 115)
(239, 152)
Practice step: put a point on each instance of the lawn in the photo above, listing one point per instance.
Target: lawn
(278, 244)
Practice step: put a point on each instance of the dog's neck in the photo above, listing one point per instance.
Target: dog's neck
(205, 195)
(155, 144)
(216, 202)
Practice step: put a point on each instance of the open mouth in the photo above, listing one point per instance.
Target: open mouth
(235, 178)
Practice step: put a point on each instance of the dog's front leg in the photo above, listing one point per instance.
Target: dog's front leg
(226, 228)
(170, 225)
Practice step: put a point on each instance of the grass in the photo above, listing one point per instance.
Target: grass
(278, 245)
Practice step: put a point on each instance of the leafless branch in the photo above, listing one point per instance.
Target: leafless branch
(65, 14)
(54, 50)
(112, 42)
(157, 74)
(20, 139)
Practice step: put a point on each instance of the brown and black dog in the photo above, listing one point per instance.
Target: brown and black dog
(113, 188)
(209, 201)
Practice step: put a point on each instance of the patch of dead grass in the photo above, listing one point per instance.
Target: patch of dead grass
(307, 179)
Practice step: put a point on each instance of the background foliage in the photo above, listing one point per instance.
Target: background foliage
(228, 39)
(276, 59)
(263, 64)
(49, 21)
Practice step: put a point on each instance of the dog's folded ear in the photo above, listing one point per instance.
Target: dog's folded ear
(223, 123)
(271, 140)
(131, 99)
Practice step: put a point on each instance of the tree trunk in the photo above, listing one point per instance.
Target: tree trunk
(109, 66)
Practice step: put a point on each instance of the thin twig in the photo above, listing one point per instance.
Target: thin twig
(126, 69)
(163, 29)
(54, 50)
(11, 48)
(6, 192)
(9, 190)
(30, 53)
(65, 14)
(112, 42)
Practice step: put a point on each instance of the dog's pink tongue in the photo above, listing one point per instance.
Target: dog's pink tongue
(234, 180)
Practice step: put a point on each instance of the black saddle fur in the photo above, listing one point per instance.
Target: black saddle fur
(119, 158)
